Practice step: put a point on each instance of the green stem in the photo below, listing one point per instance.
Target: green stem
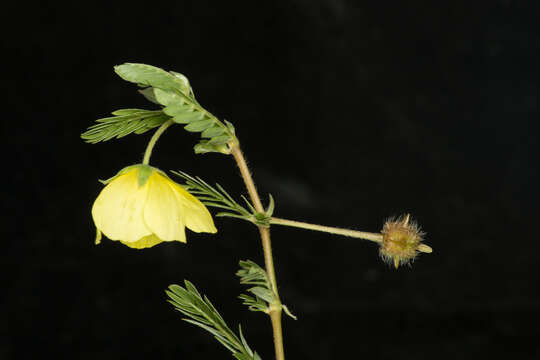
(329, 229)
(154, 139)
(275, 308)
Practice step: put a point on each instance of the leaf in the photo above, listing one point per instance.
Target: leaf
(167, 97)
(125, 122)
(212, 132)
(248, 204)
(287, 311)
(188, 117)
(151, 76)
(204, 146)
(208, 202)
(220, 140)
(230, 127)
(148, 93)
(201, 312)
(253, 303)
(228, 214)
(200, 125)
(224, 192)
(240, 356)
(153, 122)
(207, 328)
(252, 274)
(184, 80)
(191, 288)
(177, 109)
(244, 342)
(270, 208)
(126, 112)
(178, 291)
(173, 91)
(211, 196)
(265, 294)
(224, 343)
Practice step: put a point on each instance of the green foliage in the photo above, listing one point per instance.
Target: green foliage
(219, 198)
(213, 197)
(173, 91)
(124, 122)
(252, 274)
(147, 75)
(201, 312)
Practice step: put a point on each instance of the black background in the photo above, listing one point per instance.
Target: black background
(348, 112)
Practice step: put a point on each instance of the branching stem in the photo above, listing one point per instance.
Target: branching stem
(275, 308)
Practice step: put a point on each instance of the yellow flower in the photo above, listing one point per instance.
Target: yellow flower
(142, 207)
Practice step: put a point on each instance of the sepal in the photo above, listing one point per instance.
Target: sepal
(144, 173)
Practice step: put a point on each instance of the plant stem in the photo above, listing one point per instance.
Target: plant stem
(332, 230)
(275, 308)
(154, 139)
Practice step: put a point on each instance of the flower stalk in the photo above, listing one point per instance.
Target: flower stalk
(328, 229)
(275, 308)
(154, 139)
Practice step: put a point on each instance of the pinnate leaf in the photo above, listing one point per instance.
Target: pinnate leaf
(125, 122)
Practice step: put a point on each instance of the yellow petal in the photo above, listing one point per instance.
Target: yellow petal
(196, 216)
(118, 210)
(145, 242)
(163, 214)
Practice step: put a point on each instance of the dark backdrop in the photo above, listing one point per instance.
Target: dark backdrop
(348, 112)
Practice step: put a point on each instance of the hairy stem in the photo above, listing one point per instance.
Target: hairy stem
(275, 308)
(329, 229)
(154, 139)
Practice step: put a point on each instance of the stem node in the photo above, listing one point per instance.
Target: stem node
(275, 308)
